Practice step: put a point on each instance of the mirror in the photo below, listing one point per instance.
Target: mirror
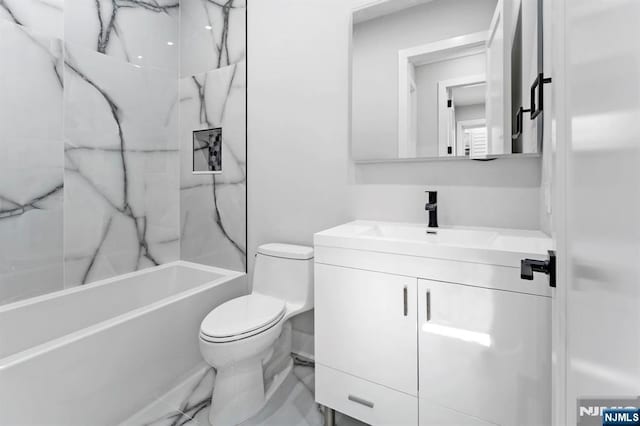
(467, 122)
(442, 86)
(432, 79)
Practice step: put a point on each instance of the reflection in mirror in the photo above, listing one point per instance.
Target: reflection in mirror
(428, 80)
(467, 121)
(435, 80)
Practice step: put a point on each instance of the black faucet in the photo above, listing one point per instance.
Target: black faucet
(432, 208)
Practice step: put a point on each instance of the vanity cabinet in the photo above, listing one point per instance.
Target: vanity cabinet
(484, 356)
(366, 324)
(366, 345)
(427, 331)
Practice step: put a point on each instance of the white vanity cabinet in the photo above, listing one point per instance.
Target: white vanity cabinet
(422, 329)
(366, 345)
(366, 320)
(484, 356)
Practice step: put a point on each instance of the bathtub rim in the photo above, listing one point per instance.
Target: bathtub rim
(50, 345)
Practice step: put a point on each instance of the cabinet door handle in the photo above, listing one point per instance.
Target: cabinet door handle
(518, 123)
(428, 305)
(538, 84)
(406, 304)
(360, 401)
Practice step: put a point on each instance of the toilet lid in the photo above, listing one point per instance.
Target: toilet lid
(242, 315)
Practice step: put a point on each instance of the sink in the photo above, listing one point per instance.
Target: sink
(442, 236)
(496, 246)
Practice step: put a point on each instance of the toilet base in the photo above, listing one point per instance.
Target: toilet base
(239, 392)
(278, 380)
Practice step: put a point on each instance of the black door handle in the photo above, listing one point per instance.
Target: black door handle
(529, 266)
(518, 124)
(537, 84)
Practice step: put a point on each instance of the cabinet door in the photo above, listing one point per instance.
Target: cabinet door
(483, 353)
(366, 325)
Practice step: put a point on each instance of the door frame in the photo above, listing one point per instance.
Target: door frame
(455, 47)
(447, 127)
(460, 125)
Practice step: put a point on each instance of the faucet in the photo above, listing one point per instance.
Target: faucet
(432, 208)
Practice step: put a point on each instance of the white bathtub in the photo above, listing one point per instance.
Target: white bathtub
(96, 354)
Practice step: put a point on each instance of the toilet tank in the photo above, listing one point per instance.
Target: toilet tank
(285, 271)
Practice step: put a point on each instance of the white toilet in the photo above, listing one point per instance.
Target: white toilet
(237, 337)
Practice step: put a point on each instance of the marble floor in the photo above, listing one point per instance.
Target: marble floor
(188, 403)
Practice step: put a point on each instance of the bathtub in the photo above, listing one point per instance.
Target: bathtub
(96, 354)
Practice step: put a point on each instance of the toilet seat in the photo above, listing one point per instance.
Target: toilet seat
(241, 318)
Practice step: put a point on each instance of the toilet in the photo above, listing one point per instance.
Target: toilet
(237, 338)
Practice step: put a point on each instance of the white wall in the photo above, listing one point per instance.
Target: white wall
(375, 63)
(427, 78)
(301, 179)
(500, 193)
(298, 120)
(471, 112)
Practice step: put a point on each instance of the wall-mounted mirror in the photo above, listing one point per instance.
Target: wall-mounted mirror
(432, 79)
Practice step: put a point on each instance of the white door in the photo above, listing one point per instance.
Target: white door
(483, 356)
(597, 207)
(366, 325)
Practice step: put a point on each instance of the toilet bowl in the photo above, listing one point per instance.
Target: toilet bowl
(237, 337)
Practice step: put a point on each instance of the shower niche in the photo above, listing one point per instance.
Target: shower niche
(207, 151)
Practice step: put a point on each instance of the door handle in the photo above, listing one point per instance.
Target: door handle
(538, 84)
(548, 267)
(405, 297)
(360, 401)
(519, 125)
(428, 302)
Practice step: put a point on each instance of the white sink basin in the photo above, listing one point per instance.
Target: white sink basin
(495, 246)
(444, 236)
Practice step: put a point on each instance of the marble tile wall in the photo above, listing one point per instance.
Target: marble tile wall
(213, 94)
(46, 17)
(141, 32)
(121, 167)
(88, 128)
(212, 35)
(31, 161)
(96, 120)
